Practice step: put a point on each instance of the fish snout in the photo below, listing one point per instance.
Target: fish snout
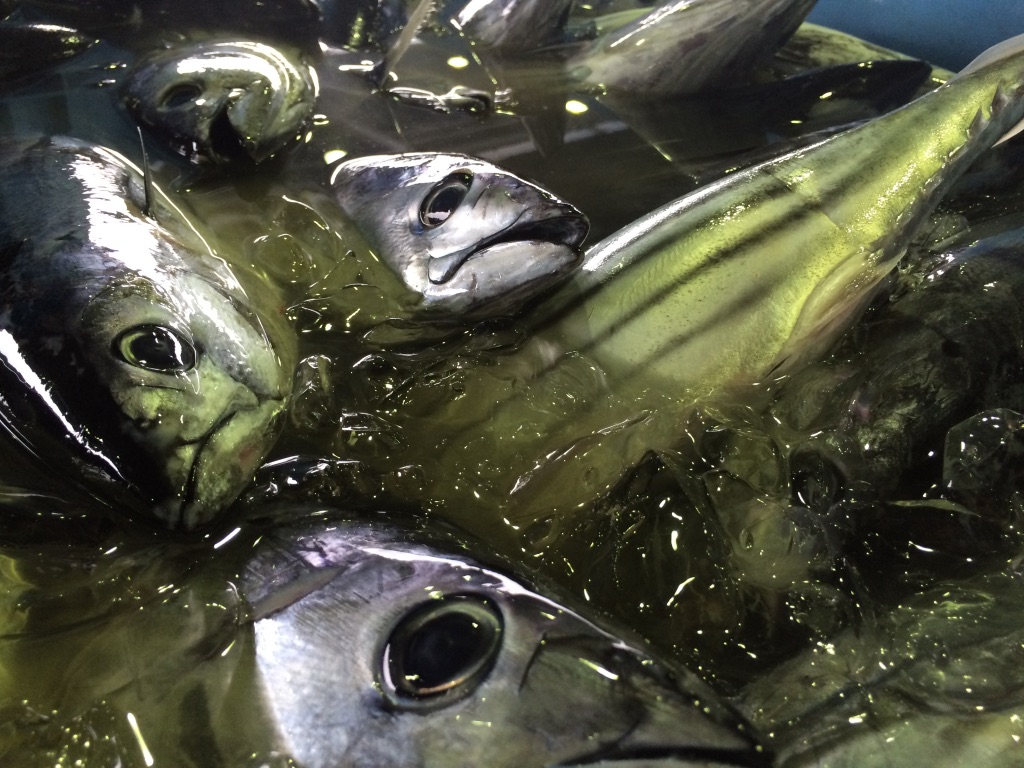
(667, 716)
(519, 260)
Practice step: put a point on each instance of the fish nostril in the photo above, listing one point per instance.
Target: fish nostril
(441, 651)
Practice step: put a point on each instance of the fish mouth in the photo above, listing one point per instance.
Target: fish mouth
(221, 463)
(226, 140)
(564, 226)
(656, 756)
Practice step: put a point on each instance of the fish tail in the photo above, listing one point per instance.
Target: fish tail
(878, 182)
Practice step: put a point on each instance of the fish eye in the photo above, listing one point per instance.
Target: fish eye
(441, 202)
(441, 651)
(180, 94)
(156, 348)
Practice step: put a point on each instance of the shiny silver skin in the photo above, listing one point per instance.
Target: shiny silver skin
(132, 355)
(374, 650)
(467, 237)
(688, 46)
(222, 101)
(511, 26)
(28, 47)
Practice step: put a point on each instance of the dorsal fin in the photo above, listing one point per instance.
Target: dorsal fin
(401, 44)
(147, 179)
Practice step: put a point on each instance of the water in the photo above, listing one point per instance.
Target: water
(724, 547)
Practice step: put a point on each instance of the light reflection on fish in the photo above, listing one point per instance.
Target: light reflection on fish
(934, 680)
(223, 101)
(27, 48)
(133, 357)
(465, 236)
(677, 47)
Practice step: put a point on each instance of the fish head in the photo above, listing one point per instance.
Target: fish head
(199, 384)
(467, 237)
(131, 357)
(406, 655)
(223, 101)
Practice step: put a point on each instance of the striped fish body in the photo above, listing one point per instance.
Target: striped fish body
(764, 268)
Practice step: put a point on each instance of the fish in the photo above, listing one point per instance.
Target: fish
(743, 281)
(29, 47)
(223, 102)
(511, 25)
(409, 652)
(679, 46)
(412, 645)
(935, 678)
(687, 46)
(466, 237)
(943, 350)
(133, 357)
(818, 228)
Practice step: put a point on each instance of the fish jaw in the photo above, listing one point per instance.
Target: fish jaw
(221, 102)
(688, 46)
(529, 266)
(337, 610)
(517, 262)
(221, 465)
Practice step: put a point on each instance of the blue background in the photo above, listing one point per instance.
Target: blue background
(945, 32)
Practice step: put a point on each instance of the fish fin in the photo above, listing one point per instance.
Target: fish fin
(997, 52)
(397, 49)
(147, 179)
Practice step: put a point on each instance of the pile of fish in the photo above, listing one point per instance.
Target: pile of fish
(505, 382)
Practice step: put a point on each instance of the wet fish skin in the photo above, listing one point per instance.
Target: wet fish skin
(688, 46)
(935, 680)
(948, 348)
(223, 101)
(788, 251)
(28, 47)
(403, 651)
(466, 237)
(126, 341)
(511, 26)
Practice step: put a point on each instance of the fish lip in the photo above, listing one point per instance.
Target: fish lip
(564, 226)
(670, 755)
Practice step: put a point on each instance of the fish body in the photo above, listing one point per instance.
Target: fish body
(944, 350)
(688, 46)
(222, 101)
(511, 26)
(130, 352)
(935, 679)
(28, 47)
(403, 649)
(467, 238)
(765, 267)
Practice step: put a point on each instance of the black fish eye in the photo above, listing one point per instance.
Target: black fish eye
(180, 94)
(156, 348)
(442, 650)
(442, 200)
